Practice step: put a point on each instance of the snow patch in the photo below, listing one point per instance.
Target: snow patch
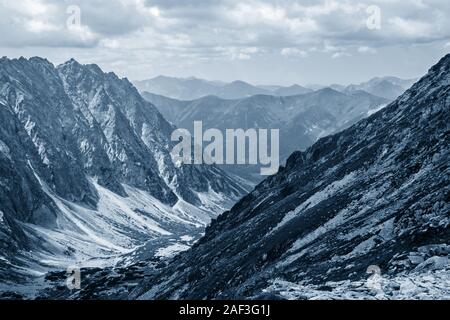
(118, 228)
(5, 150)
(171, 250)
(186, 238)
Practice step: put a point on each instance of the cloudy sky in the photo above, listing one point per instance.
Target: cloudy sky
(263, 42)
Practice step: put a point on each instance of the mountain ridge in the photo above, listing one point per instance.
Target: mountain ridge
(78, 149)
(388, 87)
(301, 119)
(194, 88)
(369, 195)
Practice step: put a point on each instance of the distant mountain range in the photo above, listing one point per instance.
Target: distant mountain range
(386, 87)
(302, 119)
(193, 88)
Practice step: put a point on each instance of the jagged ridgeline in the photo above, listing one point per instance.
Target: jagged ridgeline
(78, 146)
(376, 194)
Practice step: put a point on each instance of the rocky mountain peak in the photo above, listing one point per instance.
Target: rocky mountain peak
(74, 135)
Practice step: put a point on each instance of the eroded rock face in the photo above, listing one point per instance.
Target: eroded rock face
(63, 126)
(374, 194)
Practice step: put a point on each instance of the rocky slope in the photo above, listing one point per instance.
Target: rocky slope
(86, 172)
(376, 195)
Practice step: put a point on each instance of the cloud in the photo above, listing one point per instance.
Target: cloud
(365, 49)
(44, 22)
(294, 52)
(277, 23)
(179, 32)
(340, 54)
(408, 28)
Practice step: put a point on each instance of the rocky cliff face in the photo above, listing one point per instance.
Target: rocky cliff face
(130, 124)
(376, 194)
(73, 138)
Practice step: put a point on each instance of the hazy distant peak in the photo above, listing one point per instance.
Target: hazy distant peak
(193, 88)
(328, 91)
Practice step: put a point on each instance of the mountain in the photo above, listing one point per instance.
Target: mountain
(337, 87)
(302, 119)
(270, 87)
(386, 87)
(171, 109)
(405, 83)
(178, 88)
(238, 89)
(315, 87)
(86, 173)
(192, 88)
(375, 196)
(293, 90)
